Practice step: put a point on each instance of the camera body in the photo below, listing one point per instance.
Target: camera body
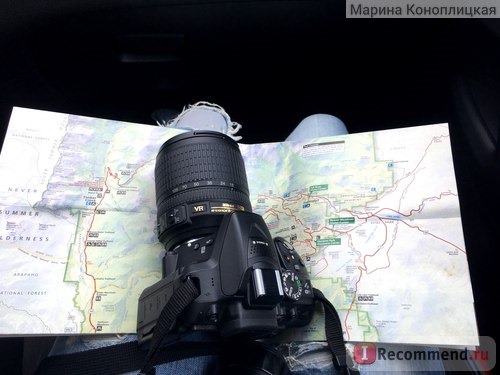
(250, 284)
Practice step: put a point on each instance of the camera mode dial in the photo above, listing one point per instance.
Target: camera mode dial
(295, 278)
(292, 285)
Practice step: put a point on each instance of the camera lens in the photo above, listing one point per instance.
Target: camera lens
(199, 176)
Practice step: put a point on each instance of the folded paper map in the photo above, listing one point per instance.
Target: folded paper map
(375, 216)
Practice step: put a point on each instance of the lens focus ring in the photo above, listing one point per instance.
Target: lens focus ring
(200, 167)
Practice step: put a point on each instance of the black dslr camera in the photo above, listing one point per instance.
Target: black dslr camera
(250, 283)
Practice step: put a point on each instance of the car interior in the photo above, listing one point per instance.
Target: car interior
(269, 64)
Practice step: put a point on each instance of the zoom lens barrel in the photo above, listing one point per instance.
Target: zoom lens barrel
(199, 176)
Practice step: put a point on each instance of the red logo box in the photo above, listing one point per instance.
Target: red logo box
(365, 353)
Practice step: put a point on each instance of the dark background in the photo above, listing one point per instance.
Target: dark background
(269, 64)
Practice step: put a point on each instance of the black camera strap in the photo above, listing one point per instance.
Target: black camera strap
(334, 336)
(123, 358)
(183, 296)
(129, 356)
